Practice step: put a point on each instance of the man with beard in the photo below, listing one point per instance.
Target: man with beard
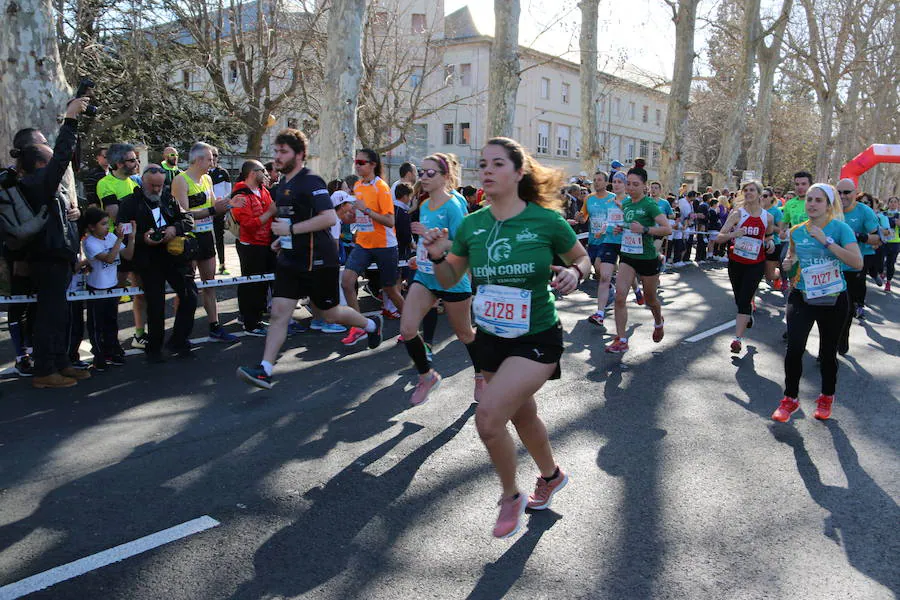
(170, 167)
(158, 219)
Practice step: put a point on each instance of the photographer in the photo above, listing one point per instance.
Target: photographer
(158, 220)
(51, 254)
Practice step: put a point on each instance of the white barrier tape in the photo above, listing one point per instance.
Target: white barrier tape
(584, 236)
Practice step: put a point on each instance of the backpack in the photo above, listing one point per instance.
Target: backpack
(231, 223)
(18, 221)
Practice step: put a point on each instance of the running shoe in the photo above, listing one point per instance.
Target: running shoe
(124, 299)
(510, 518)
(317, 324)
(784, 411)
(860, 313)
(823, 407)
(736, 346)
(79, 364)
(429, 353)
(618, 346)
(333, 328)
(887, 286)
(140, 341)
(878, 280)
(479, 387)
(294, 328)
(100, 365)
(388, 314)
(374, 337)
(354, 336)
(256, 332)
(255, 376)
(658, 331)
(639, 297)
(24, 367)
(597, 319)
(844, 345)
(223, 270)
(425, 387)
(116, 360)
(542, 496)
(219, 334)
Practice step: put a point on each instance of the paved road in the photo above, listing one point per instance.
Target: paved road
(331, 486)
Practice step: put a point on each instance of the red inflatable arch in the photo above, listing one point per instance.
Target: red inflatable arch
(868, 158)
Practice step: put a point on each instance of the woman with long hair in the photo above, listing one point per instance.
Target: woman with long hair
(440, 210)
(751, 228)
(819, 249)
(510, 248)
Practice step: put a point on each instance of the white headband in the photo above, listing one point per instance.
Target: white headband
(825, 188)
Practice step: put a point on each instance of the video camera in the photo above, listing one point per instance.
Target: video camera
(85, 88)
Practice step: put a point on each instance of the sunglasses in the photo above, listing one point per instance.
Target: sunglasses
(131, 160)
(845, 192)
(175, 154)
(765, 195)
(429, 173)
(156, 170)
(260, 170)
(360, 163)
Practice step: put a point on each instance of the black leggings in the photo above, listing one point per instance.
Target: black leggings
(891, 250)
(800, 319)
(872, 263)
(744, 282)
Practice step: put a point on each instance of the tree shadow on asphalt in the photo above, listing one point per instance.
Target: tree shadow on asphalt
(320, 545)
(863, 517)
(501, 575)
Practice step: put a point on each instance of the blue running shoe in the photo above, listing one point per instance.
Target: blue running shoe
(255, 376)
(220, 335)
(333, 328)
(294, 328)
(318, 324)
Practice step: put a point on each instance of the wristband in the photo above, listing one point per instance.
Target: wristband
(646, 230)
(437, 261)
(862, 238)
(580, 275)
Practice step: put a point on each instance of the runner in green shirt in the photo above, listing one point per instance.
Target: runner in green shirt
(795, 209)
(638, 257)
(510, 247)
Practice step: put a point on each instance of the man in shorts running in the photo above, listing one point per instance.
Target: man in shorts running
(307, 262)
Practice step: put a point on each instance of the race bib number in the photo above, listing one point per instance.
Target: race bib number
(632, 243)
(423, 261)
(822, 280)
(203, 225)
(287, 241)
(364, 222)
(502, 311)
(598, 226)
(747, 247)
(615, 216)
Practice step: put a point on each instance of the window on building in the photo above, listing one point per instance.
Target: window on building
(543, 137)
(562, 140)
(380, 19)
(631, 110)
(465, 134)
(545, 88)
(415, 79)
(232, 71)
(615, 147)
(658, 117)
(449, 73)
(566, 89)
(644, 149)
(617, 107)
(645, 115)
(292, 123)
(577, 143)
(448, 133)
(186, 79)
(629, 150)
(418, 23)
(465, 74)
(655, 155)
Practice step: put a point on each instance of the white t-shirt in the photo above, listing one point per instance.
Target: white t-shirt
(686, 207)
(103, 275)
(338, 198)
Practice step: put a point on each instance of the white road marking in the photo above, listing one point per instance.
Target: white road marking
(107, 557)
(713, 331)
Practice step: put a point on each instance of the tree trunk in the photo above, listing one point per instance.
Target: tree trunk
(769, 58)
(825, 144)
(344, 70)
(32, 84)
(590, 130)
(847, 125)
(735, 124)
(685, 19)
(503, 81)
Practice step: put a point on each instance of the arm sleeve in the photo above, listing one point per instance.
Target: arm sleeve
(322, 199)
(59, 162)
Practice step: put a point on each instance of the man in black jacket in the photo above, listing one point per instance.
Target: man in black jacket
(158, 220)
(51, 255)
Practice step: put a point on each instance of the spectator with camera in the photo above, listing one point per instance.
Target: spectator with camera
(159, 220)
(52, 251)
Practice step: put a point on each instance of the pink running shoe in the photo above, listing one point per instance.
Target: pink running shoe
(479, 387)
(424, 387)
(354, 336)
(544, 490)
(618, 346)
(823, 407)
(510, 518)
(784, 411)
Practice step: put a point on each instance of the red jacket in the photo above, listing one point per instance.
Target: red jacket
(252, 230)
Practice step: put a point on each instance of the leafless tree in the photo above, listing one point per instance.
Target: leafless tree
(590, 127)
(504, 74)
